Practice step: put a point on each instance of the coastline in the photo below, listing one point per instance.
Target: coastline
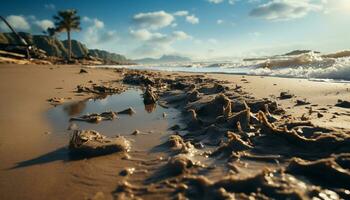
(26, 88)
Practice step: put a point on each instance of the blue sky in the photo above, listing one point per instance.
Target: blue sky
(200, 29)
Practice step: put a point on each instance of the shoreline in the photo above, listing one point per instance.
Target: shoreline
(26, 89)
(220, 73)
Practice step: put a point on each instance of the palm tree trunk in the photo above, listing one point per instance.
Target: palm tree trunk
(69, 46)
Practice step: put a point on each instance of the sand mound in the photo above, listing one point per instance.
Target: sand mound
(92, 143)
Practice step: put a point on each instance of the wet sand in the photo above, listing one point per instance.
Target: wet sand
(33, 149)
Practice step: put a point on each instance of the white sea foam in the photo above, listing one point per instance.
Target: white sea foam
(309, 65)
(322, 69)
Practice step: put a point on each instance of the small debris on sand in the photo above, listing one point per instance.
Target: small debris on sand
(95, 117)
(301, 102)
(128, 111)
(136, 132)
(179, 164)
(127, 172)
(286, 95)
(319, 115)
(83, 71)
(56, 101)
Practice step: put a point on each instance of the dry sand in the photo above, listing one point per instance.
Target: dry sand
(24, 92)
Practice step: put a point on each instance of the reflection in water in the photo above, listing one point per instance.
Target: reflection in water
(150, 107)
(75, 108)
(146, 117)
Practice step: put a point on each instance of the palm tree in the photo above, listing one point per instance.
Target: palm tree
(50, 32)
(67, 21)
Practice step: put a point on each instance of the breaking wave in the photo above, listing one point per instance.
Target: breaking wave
(309, 65)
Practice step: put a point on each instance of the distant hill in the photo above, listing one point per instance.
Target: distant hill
(164, 59)
(105, 55)
(298, 52)
(57, 48)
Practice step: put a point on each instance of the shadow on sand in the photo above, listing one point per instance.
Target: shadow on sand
(61, 154)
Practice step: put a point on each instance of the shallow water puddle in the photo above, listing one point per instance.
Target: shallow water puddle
(149, 120)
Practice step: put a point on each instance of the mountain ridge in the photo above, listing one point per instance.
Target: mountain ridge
(57, 48)
(164, 59)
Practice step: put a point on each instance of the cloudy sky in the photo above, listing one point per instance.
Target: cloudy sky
(200, 29)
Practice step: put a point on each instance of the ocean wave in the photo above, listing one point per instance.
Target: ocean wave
(340, 70)
(310, 59)
(340, 54)
(309, 65)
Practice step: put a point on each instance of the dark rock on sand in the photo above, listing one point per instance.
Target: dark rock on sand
(286, 95)
(136, 132)
(99, 89)
(301, 102)
(83, 71)
(214, 89)
(149, 97)
(343, 104)
(138, 79)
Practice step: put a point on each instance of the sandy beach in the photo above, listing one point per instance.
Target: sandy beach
(179, 100)
(28, 134)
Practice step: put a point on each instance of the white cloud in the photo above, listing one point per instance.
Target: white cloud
(96, 33)
(212, 41)
(146, 35)
(94, 21)
(44, 24)
(285, 9)
(50, 6)
(215, 1)
(108, 36)
(18, 22)
(192, 19)
(86, 19)
(181, 13)
(232, 2)
(156, 44)
(153, 20)
(254, 1)
(180, 35)
(98, 23)
(198, 41)
(141, 34)
(255, 34)
(219, 21)
(27, 23)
